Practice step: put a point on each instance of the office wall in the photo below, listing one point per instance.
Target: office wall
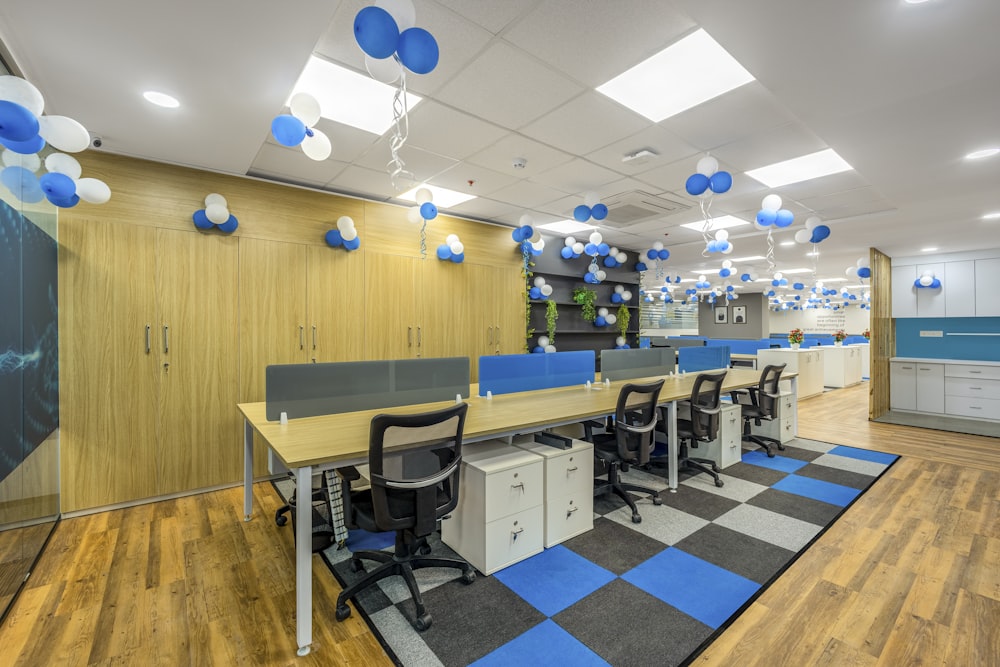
(972, 338)
(852, 319)
(756, 326)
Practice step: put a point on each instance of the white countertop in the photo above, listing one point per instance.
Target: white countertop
(970, 362)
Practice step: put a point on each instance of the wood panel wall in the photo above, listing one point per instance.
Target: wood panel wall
(883, 340)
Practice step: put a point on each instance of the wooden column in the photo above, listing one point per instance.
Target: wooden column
(883, 340)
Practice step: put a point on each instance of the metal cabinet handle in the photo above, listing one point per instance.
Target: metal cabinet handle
(976, 388)
(489, 335)
(519, 485)
(147, 338)
(975, 372)
(570, 511)
(166, 339)
(314, 336)
(573, 469)
(418, 336)
(409, 336)
(302, 337)
(515, 533)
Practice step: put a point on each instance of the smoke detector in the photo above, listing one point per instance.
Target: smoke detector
(640, 156)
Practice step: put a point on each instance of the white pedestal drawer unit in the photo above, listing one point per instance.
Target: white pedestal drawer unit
(727, 448)
(972, 391)
(500, 515)
(569, 488)
(781, 428)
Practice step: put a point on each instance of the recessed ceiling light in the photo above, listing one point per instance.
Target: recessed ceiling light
(833, 280)
(668, 83)
(443, 197)
(812, 254)
(751, 258)
(992, 216)
(161, 99)
(787, 243)
(804, 168)
(721, 222)
(928, 249)
(350, 98)
(984, 153)
(915, 2)
(566, 227)
(792, 271)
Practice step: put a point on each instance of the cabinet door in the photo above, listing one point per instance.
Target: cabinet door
(960, 301)
(508, 295)
(904, 298)
(336, 305)
(987, 278)
(393, 288)
(903, 385)
(931, 302)
(108, 379)
(454, 306)
(930, 387)
(199, 426)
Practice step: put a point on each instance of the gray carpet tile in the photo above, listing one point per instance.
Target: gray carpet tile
(699, 503)
(812, 445)
(798, 453)
(747, 556)
(734, 489)
(784, 531)
(662, 523)
(799, 507)
(755, 474)
(835, 475)
(408, 644)
(614, 547)
(860, 466)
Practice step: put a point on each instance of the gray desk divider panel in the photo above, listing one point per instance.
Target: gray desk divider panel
(645, 362)
(309, 390)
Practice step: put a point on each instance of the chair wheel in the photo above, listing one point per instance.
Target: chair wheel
(636, 518)
(425, 549)
(343, 612)
(357, 565)
(423, 622)
(770, 454)
(719, 483)
(715, 467)
(657, 500)
(281, 520)
(468, 577)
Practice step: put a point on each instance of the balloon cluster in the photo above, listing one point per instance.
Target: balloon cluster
(621, 295)
(708, 178)
(927, 279)
(702, 282)
(598, 248)
(297, 128)
(544, 345)
(727, 269)
(861, 269)
(779, 280)
(529, 237)
(424, 209)
(720, 243)
(590, 208)
(344, 235)
(620, 343)
(540, 290)
(604, 318)
(771, 213)
(386, 31)
(748, 276)
(451, 250)
(658, 252)
(24, 131)
(814, 231)
(215, 214)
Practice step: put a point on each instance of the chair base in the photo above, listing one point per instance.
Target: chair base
(402, 565)
(766, 443)
(614, 484)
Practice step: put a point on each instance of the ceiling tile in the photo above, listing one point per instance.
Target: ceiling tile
(493, 16)
(362, 182)
(422, 164)
(486, 209)
(291, 165)
(527, 195)
(765, 147)
(484, 181)
(667, 147)
(834, 183)
(672, 176)
(585, 124)
(446, 131)
(579, 175)
(538, 157)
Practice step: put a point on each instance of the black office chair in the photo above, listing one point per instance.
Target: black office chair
(760, 403)
(702, 425)
(410, 491)
(629, 442)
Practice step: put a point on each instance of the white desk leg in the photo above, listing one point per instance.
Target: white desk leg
(672, 447)
(247, 470)
(303, 559)
(795, 417)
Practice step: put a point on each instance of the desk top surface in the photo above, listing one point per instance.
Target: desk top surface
(344, 437)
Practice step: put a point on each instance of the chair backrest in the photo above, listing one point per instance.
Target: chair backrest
(706, 404)
(414, 463)
(767, 390)
(635, 420)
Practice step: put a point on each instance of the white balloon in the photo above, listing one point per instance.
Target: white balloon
(596, 238)
(619, 289)
(610, 318)
(852, 271)
(570, 242)
(546, 290)
(613, 252)
(349, 234)
(63, 133)
(543, 341)
(771, 203)
(621, 258)
(658, 246)
(862, 262)
(722, 235)
(385, 70)
(402, 12)
(728, 250)
(536, 234)
(424, 195)
(803, 236)
(93, 190)
(926, 280)
(620, 340)
(702, 278)
(811, 222)
(708, 165)
(344, 223)
(526, 219)
(778, 275)
(60, 163)
(578, 248)
(457, 248)
(539, 281)
(549, 349)
(17, 90)
(413, 214)
(217, 213)
(31, 161)
(727, 264)
(318, 146)
(735, 295)
(538, 245)
(215, 198)
(591, 198)
(626, 296)
(451, 238)
(305, 107)
(601, 275)
(603, 312)
(760, 227)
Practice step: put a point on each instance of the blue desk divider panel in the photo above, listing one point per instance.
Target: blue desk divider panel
(507, 373)
(308, 390)
(737, 346)
(628, 364)
(702, 358)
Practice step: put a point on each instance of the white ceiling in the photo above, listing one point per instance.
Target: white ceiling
(902, 92)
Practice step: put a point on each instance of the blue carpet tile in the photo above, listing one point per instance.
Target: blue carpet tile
(653, 593)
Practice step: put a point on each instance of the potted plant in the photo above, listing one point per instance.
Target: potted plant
(624, 316)
(551, 315)
(586, 298)
(867, 333)
(839, 336)
(795, 338)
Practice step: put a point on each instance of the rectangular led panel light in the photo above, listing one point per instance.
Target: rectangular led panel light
(721, 222)
(804, 168)
(566, 227)
(690, 71)
(443, 197)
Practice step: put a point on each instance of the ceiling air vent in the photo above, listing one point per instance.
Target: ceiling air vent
(635, 206)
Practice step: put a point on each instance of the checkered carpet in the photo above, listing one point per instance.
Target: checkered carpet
(643, 594)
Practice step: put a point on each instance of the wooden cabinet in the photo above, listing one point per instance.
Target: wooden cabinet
(393, 291)
(149, 358)
(335, 305)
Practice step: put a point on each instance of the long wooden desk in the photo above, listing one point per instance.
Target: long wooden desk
(342, 439)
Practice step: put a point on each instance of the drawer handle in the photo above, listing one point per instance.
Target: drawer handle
(975, 407)
(519, 485)
(515, 533)
(573, 469)
(976, 388)
(975, 372)
(570, 511)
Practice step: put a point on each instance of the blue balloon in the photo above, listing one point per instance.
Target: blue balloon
(376, 32)
(443, 251)
(201, 220)
(32, 145)
(17, 178)
(713, 246)
(730, 288)
(864, 272)
(230, 225)
(798, 297)
(333, 238)
(820, 232)
(16, 122)
(599, 211)
(535, 293)
(720, 182)
(783, 282)
(696, 184)
(57, 185)
(603, 249)
(566, 252)
(418, 50)
(775, 283)
(770, 293)
(589, 277)
(766, 218)
(353, 244)
(288, 130)
(724, 246)
(798, 286)
(428, 211)
(784, 218)
(610, 262)
(516, 235)
(63, 202)
(725, 273)
(663, 254)
(745, 277)
(590, 249)
(651, 254)
(582, 213)
(616, 297)
(600, 321)
(640, 266)
(936, 284)
(459, 258)
(538, 349)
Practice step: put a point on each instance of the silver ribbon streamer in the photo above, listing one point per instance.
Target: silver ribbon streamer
(400, 132)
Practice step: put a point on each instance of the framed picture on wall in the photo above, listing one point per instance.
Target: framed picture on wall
(722, 315)
(739, 314)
